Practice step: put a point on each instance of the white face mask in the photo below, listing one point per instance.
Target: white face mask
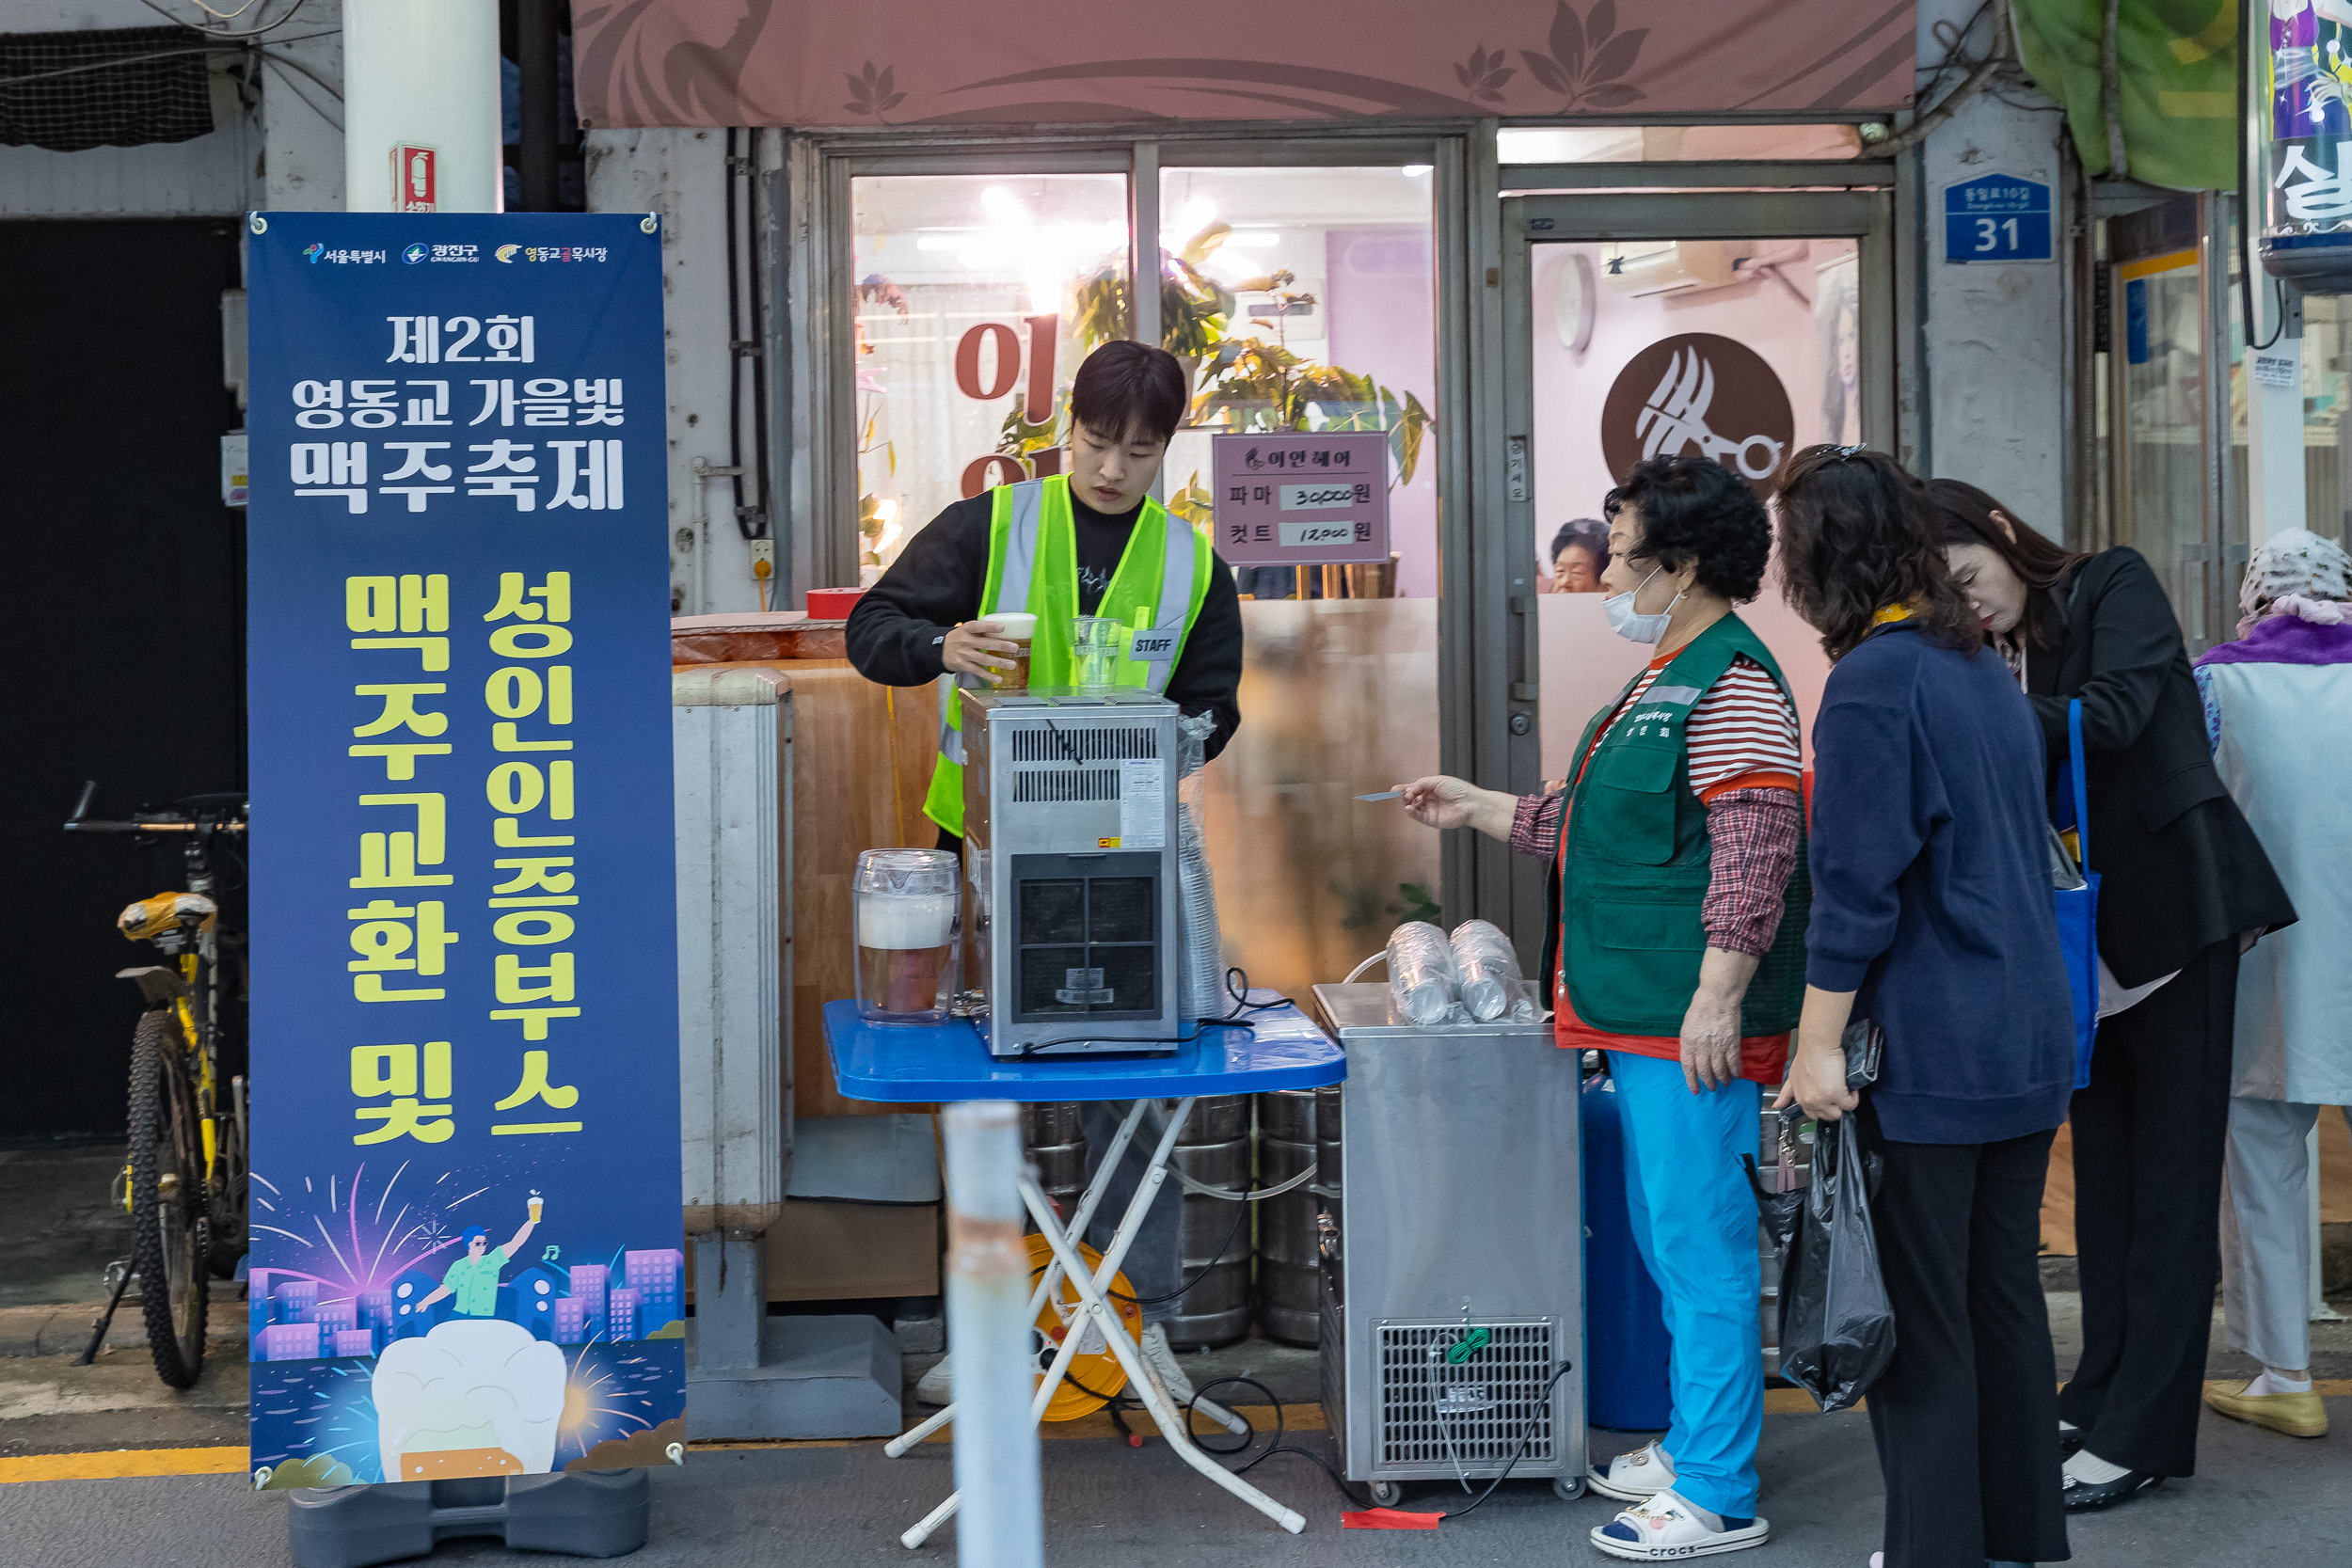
(1632, 625)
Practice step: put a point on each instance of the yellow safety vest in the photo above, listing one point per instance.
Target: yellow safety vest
(1162, 579)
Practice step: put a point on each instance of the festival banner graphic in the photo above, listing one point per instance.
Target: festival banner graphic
(466, 1256)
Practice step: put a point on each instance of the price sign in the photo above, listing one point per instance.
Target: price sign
(1996, 217)
(1301, 499)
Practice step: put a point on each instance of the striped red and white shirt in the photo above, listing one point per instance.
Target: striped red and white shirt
(1742, 734)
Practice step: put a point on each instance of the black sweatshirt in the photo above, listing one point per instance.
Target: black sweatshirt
(896, 630)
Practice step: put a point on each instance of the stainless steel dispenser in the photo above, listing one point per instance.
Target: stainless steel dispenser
(1071, 849)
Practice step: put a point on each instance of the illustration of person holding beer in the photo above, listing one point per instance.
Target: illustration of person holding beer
(474, 1279)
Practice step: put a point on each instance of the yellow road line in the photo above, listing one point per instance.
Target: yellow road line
(122, 1464)
(127, 1464)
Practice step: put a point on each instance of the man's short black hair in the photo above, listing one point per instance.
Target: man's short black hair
(1695, 509)
(1129, 389)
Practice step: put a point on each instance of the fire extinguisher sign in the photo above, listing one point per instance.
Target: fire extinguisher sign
(415, 185)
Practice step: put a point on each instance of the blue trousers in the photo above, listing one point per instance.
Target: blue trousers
(1695, 1220)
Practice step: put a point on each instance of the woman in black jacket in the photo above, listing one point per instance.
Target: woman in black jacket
(2184, 888)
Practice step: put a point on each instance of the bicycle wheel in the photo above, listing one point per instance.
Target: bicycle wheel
(168, 1239)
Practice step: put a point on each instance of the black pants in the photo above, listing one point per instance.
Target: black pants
(1965, 1415)
(2149, 1134)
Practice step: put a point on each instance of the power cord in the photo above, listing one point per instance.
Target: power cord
(1251, 1436)
(1237, 1019)
(1185, 1289)
(1527, 1435)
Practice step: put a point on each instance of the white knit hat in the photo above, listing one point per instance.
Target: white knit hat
(2295, 572)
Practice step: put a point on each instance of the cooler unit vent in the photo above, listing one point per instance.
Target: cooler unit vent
(1082, 744)
(1486, 1405)
(1085, 784)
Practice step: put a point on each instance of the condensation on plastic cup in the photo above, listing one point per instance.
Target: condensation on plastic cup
(1096, 642)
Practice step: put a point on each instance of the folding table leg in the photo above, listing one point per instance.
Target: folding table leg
(1154, 1395)
(905, 1442)
(1065, 1255)
(1091, 1289)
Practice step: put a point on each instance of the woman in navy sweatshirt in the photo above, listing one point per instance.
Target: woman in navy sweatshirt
(1932, 916)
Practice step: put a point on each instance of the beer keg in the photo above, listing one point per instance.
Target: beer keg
(1288, 1262)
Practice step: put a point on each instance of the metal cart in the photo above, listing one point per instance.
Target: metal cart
(1453, 1252)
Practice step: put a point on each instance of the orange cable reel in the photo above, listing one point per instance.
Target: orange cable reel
(1094, 1365)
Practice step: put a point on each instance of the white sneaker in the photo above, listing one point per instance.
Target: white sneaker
(1161, 1357)
(1666, 1527)
(1636, 1477)
(937, 1387)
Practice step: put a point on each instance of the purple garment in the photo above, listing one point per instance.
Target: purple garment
(2285, 639)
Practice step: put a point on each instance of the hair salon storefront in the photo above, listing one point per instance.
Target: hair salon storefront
(1530, 257)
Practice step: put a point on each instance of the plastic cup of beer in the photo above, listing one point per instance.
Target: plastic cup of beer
(1096, 642)
(906, 905)
(534, 1208)
(1014, 625)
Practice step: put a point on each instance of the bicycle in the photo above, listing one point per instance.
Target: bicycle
(184, 1183)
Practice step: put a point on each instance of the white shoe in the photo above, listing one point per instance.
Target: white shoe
(937, 1387)
(1636, 1477)
(1665, 1526)
(1161, 1357)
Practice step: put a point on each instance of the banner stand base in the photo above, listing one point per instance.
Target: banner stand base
(753, 1378)
(580, 1512)
(817, 1377)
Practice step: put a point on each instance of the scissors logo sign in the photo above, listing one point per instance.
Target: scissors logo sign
(1701, 395)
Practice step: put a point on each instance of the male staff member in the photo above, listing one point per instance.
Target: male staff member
(1091, 541)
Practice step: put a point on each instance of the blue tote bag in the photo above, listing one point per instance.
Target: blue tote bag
(2077, 894)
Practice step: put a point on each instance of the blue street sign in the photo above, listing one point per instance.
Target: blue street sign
(1996, 217)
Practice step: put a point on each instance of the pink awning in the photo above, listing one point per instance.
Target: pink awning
(1032, 62)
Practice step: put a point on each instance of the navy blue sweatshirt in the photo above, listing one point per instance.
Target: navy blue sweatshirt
(1931, 889)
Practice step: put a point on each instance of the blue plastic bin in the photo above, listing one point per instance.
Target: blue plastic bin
(1626, 1347)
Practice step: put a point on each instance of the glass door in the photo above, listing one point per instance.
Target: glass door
(2161, 456)
(1298, 284)
(1741, 326)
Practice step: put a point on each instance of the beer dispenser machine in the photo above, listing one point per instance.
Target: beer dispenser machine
(1071, 852)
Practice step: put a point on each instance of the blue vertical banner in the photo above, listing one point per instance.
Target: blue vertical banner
(467, 1247)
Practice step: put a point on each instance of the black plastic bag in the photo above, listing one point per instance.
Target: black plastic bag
(1837, 1330)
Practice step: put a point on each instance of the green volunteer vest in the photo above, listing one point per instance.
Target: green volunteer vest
(1634, 867)
(1162, 579)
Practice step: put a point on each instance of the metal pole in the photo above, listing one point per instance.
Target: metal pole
(987, 1294)
(421, 107)
(535, 43)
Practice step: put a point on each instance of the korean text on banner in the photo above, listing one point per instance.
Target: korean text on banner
(466, 1256)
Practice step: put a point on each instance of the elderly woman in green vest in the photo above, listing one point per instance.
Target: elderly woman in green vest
(1682, 945)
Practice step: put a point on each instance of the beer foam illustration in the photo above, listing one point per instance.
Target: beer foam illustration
(471, 1385)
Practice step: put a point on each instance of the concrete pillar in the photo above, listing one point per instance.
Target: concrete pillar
(422, 128)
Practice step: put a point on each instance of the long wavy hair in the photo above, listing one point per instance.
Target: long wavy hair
(2039, 562)
(1859, 534)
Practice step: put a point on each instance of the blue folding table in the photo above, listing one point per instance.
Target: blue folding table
(921, 1064)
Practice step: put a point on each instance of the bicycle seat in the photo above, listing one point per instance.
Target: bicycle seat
(152, 917)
